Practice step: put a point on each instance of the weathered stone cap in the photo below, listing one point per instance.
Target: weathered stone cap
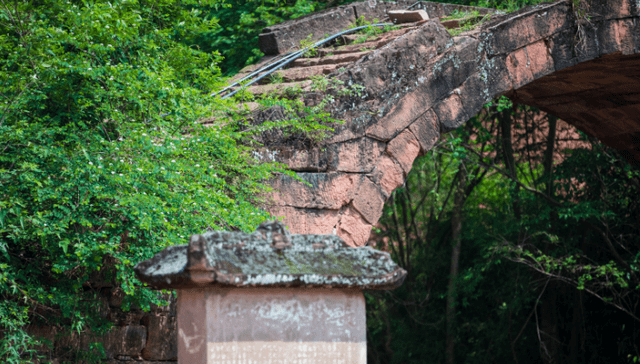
(269, 257)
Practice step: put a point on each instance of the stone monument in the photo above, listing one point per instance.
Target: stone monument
(269, 296)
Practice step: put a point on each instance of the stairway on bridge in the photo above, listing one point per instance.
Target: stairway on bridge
(347, 49)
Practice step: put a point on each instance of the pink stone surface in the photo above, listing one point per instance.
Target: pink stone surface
(540, 60)
(401, 115)
(426, 130)
(256, 325)
(369, 201)
(620, 34)
(356, 156)
(404, 148)
(327, 191)
(353, 228)
(517, 64)
(388, 174)
(306, 221)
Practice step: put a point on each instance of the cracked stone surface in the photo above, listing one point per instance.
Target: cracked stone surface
(270, 257)
(420, 82)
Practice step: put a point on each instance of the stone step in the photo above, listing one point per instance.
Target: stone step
(259, 90)
(303, 73)
(330, 59)
(352, 38)
(353, 48)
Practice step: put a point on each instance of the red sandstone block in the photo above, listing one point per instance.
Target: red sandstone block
(369, 201)
(388, 174)
(353, 228)
(401, 115)
(304, 73)
(517, 64)
(406, 16)
(327, 190)
(540, 60)
(474, 93)
(529, 63)
(561, 46)
(405, 149)
(617, 36)
(356, 156)
(450, 112)
(426, 130)
(307, 221)
(528, 26)
(313, 160)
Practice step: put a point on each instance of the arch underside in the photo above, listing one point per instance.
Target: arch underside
(426, 83)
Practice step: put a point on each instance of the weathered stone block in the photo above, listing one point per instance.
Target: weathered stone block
(615, 9)
(299, 160)
(392, 65)
(370, 10)
(495, 75)
(388, 175)
(561, 46)
(405, 149)
(307, 221)
(326, 190)
(466, 62)
(587, 46)
(369, 201)
(162, 339)
(353, 228)
(357, 156)
(285, 36)
(527, 26)
(401, 115)
(540, 60)
(529, 63)
(474, 93)
(407, 16)
(426, 130)
(617, 36)
(450, 112)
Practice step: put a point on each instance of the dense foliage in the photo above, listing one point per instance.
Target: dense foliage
(93, 177)
(104, 161)
(521, 239)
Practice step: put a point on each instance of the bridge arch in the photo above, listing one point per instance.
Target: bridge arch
(426, 82)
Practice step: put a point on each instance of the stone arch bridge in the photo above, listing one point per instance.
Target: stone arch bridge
(419, 82)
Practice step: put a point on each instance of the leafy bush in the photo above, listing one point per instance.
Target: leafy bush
(93, 178)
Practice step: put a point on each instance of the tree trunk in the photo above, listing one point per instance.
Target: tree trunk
(548, 327)
(456, 239)
(548, 153)
(505, 119)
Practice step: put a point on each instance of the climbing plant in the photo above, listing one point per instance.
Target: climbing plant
(104, 158)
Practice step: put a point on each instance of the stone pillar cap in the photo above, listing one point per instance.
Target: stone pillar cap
(269, 257)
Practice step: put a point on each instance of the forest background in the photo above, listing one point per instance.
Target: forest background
(520, 234)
